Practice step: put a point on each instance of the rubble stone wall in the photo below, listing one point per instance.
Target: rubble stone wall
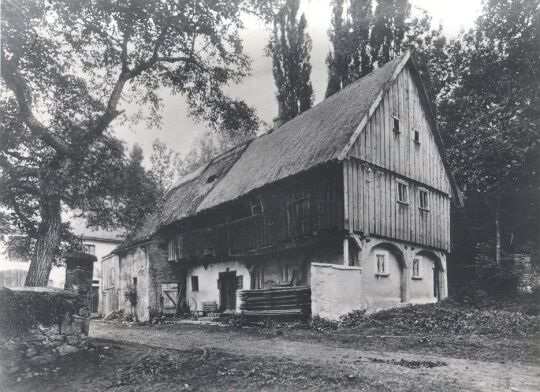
(40, 324)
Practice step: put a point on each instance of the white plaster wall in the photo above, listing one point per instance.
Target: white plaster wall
(103, 248)
(134, 264)
(335, 290)
(381, 292)
(421, 288)
(208, 286)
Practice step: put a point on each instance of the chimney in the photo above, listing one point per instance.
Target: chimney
(278, 120)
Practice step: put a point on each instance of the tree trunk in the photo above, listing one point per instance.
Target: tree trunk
(47, 243)
(498, 230)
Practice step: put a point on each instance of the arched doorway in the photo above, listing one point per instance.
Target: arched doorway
(426, 276)
(382, 277)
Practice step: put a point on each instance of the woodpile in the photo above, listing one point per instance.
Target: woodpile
(279, 303)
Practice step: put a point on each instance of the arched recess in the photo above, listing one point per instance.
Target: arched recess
(427, 279)
(384, 276)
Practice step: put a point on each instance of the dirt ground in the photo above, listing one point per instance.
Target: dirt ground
(209, 358)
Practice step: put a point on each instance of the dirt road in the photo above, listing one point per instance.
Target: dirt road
(432, 371)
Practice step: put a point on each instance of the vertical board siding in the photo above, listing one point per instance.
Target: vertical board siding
(373, 198)
(398, 152)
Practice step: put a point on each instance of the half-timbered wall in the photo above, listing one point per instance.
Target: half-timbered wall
(398, 152)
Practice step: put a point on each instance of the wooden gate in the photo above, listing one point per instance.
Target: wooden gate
(169, 293)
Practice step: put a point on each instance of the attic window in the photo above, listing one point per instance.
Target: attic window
(396, 124)
(416, 136)
(210, 179)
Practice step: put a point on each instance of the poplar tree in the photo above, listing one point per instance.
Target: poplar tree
(389, 29)
(290, 47)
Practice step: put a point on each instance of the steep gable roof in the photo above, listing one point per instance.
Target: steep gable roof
(314, 137)
(185, 196)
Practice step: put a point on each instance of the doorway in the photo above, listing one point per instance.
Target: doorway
(227, 290)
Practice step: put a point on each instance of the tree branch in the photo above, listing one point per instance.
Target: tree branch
(20, 88)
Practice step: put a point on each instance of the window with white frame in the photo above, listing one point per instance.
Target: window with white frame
(423, 196)
(382, 267)
(403, 192)
(416, 268)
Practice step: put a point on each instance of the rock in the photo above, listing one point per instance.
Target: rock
(42, 359)
(65, 349)
(31, 352)
(73, 340)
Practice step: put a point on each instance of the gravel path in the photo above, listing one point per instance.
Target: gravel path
(467, 374)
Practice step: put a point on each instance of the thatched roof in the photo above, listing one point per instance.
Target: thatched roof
(317, 136)
(185, 196)
(314, 137)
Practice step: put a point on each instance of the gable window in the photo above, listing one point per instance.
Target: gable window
(396, 124)
(416, 269)
(194, 283)
(423, 196)
(417, 136)
(382, 267)
(403, 192)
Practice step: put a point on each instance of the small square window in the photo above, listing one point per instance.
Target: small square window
(396, 124)
(91, 249)
(381, 265)
(194, 283)
(424, 199)
(416, 136)
(403, 193)
(416, 269)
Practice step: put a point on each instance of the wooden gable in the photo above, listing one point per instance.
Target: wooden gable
(395, 155)
(378, 143)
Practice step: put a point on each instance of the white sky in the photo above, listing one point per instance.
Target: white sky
(258, 90)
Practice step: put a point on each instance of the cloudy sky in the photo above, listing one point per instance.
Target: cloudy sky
(258, 90)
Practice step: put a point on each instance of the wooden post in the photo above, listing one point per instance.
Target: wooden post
(345, 251)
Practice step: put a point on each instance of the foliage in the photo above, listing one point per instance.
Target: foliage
(488, 112)
(446, 317)
(68, 68)
(163, 169)
(389, 28)
(290, 48)
(363, 39)
(130, 294)
(24, 310)
(496, 278)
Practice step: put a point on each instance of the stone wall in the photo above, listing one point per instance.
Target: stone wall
(40, 324)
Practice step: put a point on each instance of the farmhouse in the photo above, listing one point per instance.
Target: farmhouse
(347, 206)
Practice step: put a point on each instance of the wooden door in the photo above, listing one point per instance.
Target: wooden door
(227, 290)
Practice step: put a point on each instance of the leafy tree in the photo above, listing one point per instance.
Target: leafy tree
(67, 68)
(339, 57)
(389, 29)
(290, 48)
(490, 116)
(164, 161)
(361, 17)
